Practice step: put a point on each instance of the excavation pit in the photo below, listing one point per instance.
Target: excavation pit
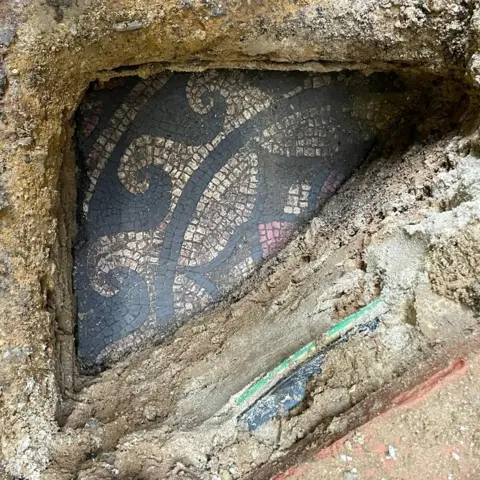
(189, 181)
(400, 228)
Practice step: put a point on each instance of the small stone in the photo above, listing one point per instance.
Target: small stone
(93, 423)
(150, 413)
(25, 443)
(14, 71)
(16, 354)
(7, 34)
(391, 453)
(128, 26)
(225, 475)
(352, 264)
(30, 384)
(359, 438)
(218, 11)
(25, 141)
(351, 475)
(456, 456)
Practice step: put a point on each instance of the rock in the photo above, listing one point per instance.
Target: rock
(128, 26)
(225, 475)
(359, 438)
(7, 34)
(25, 141)
(17, 354)
(93, 423)
(392, 454)
(150, 413)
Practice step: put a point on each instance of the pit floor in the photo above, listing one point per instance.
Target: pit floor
(432, 434)
(187, 182)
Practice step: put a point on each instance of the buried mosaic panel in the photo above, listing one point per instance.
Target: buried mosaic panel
(188, 181)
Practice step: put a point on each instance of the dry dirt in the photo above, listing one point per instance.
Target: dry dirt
(406, 226)
(432, 432)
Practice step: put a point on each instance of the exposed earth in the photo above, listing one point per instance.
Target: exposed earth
(190, 181)
(403, 227)
(432, 433)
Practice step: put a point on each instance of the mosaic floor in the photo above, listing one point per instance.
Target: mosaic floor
(188, 181)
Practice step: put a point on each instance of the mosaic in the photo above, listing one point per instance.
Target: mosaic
(187, 182)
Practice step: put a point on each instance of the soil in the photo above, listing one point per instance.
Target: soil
(404, 227)
(432, 433)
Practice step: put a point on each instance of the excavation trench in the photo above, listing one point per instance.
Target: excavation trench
(188, 182)
(217, 190)
(131, 334)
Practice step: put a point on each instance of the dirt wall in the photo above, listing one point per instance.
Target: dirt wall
(53, 421)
